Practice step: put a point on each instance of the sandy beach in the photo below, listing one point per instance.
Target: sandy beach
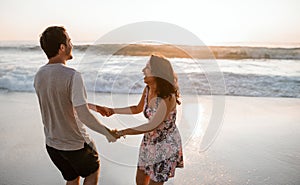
(258, 142)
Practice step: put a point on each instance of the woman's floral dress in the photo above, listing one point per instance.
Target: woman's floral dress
(161, 149)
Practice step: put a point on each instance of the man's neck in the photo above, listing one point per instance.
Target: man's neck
(57, 60)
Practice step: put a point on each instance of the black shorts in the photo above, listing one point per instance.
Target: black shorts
(75, 163)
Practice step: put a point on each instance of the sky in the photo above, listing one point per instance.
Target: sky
(213, 21)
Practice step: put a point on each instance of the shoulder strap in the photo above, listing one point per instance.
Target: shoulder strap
(146, 97)
(157, 101)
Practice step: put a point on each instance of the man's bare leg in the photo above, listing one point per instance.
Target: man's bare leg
(73, 182)
(92, 179)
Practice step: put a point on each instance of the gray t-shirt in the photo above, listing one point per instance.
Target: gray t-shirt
(59, 90)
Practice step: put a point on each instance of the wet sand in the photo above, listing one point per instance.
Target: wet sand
(258, 142)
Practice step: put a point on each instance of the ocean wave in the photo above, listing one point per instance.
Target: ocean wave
(190, 83)
(122, 73)
(20, 48)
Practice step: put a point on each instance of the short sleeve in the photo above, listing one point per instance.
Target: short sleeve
(78, 90)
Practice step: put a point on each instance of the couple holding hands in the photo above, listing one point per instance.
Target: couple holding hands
(65, 111)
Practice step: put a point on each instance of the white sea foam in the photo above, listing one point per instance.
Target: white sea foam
(123, 74)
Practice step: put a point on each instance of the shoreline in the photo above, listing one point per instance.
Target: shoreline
(5, 91)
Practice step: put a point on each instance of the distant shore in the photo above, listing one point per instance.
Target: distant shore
(234, 52)
(201, 52)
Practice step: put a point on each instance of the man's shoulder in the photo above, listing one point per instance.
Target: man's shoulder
(57, 67)
(68, 69)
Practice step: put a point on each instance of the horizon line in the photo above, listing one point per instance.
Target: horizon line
(210, 44)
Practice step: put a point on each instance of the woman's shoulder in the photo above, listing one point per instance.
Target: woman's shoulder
(170, 100)
(145, 91)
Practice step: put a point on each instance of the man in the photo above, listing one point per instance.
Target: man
(64, 110)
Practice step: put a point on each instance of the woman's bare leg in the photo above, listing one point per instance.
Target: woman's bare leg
(141, 178)
(155, 183)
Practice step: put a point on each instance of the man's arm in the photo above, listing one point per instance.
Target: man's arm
(87, 118)
(78, 97)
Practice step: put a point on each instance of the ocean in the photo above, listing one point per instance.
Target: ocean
(264, 72)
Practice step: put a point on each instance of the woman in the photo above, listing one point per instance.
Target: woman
(161, 149)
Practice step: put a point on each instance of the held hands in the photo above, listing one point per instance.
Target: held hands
(104, 111)
(111, 136)
(114, 135)
(120, 134)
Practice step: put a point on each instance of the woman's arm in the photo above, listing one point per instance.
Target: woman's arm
(105, 111)
(132, 109)
(163, 110)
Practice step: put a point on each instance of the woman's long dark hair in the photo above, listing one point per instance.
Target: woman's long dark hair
(166, 79)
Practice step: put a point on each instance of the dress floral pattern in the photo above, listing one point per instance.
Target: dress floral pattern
(161, 149)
